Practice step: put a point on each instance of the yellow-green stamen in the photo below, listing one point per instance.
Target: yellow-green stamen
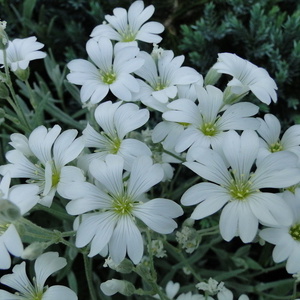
(209, 129)
(240, 188)
(55, 178)
(295, 232)
(3, 228)
(127, 35)
(108, 77)
(276, 147)
(122, 205)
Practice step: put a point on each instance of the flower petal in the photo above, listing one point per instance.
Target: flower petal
(45, 265)
(59, 292)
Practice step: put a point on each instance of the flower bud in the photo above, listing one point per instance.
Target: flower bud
(113, 286)
(23, 75)
(9, 212)
(212, 77)
(124, 267)
(231, 98)
(3, 36)
(3, 91)
(34, 250)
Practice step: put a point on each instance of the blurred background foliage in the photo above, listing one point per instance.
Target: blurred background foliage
(266, 32)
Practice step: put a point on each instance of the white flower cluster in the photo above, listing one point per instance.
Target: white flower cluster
(211, 288)
(107, 172)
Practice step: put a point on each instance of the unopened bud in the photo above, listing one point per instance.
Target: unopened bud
(34, 250)
(212, 77)
(3, 36)
(3, 91)
(230, 98)
(157, 52)
(124, 267)
(23, 75)
(113, 286)
(9, 212)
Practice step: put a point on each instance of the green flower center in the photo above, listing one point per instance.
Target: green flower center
(295, 232)
(114, 144)
(108, 77)
(127, 35)
(122, 205)
(240, 188)
(38, 296)
(209, 129)
(276, 147)
(55, 178)
(160, 84)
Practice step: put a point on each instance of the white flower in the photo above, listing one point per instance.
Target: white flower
(270, 142)
(239, 188)
(44, 159)
(167, 132)
(3, 35)
(109, 71)
(21, 51)
(44, 266)
(287, 238)
(172, 289)
(247, 76)
(116, 120)
(243, 297)
(129, 26)
(207, 122)
(118, 201)
(162, 77)
(12, 206)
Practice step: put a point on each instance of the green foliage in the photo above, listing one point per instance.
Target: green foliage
(264, 32)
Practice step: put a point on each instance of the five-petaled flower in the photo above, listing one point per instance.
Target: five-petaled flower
(129, 26)
(234, 184)
(114, 203)
(109, 71)
(45, 265)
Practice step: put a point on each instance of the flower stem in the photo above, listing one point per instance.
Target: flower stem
(174, 155)
(15, 103)
(88, 274)
(181, 258)
(59, 214)
(153, 273)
